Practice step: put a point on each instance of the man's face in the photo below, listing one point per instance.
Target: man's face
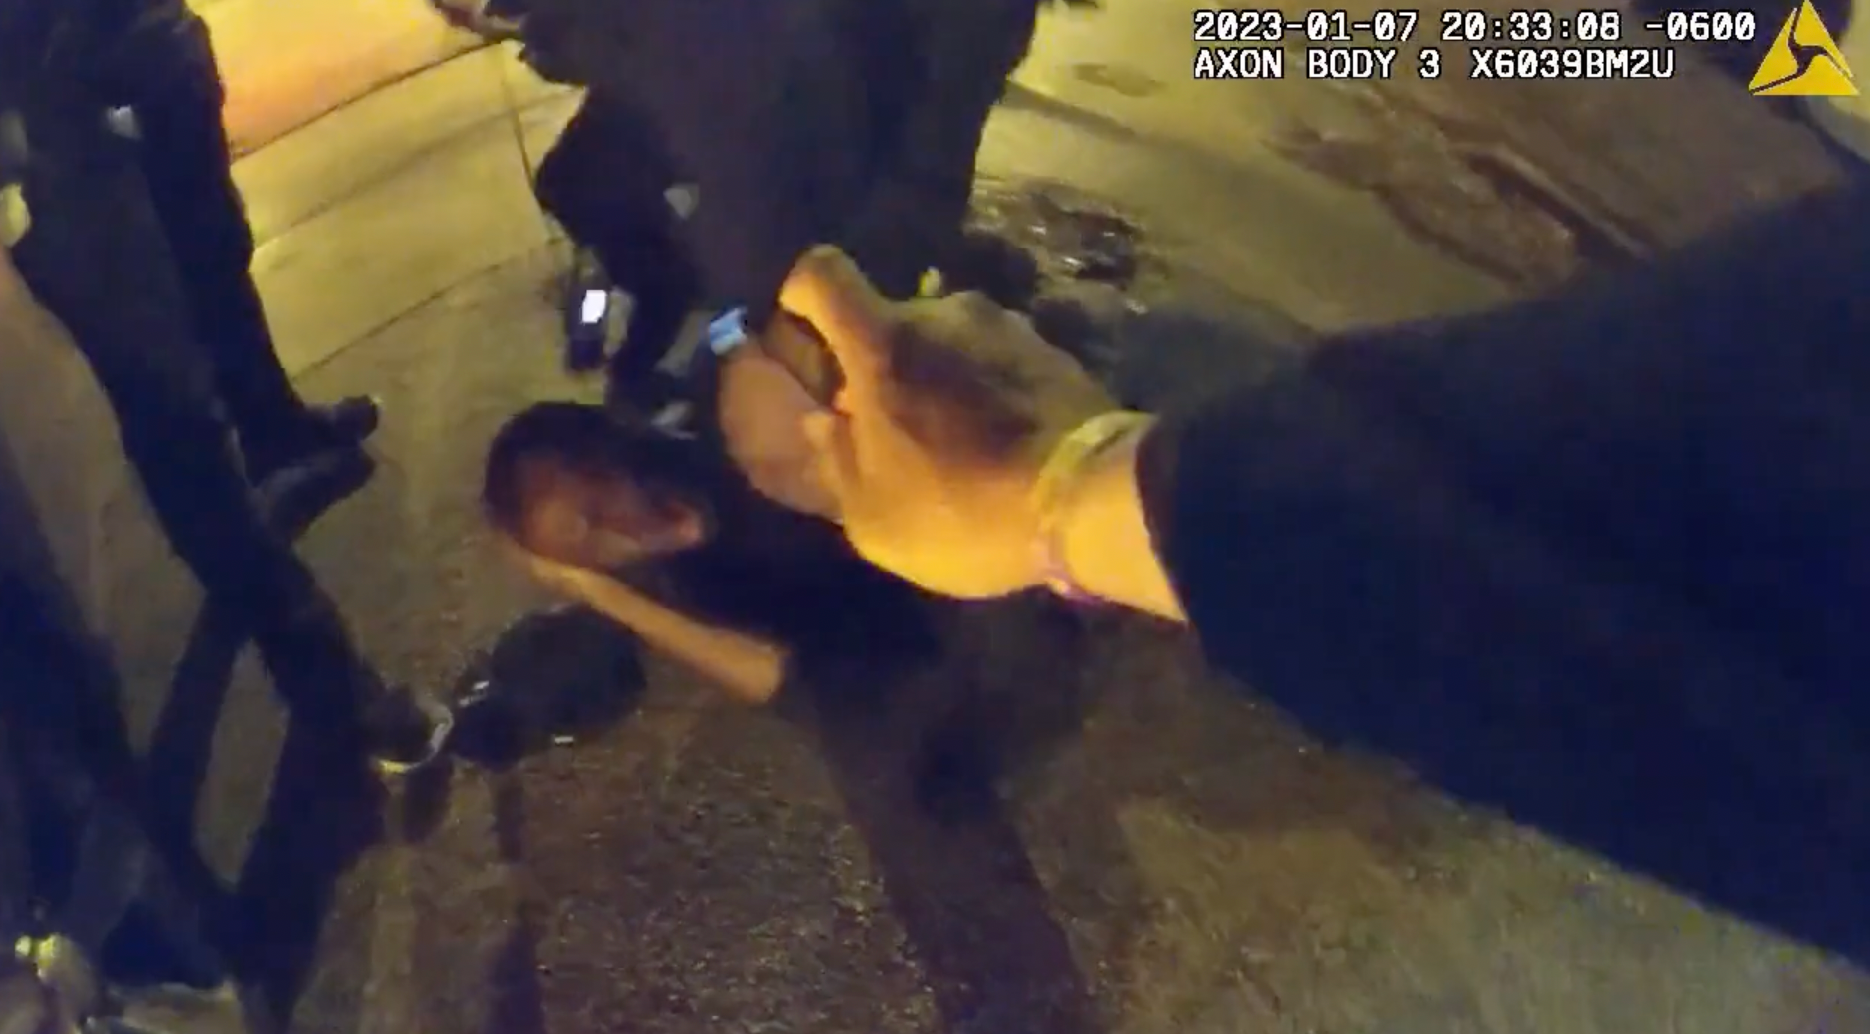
(601, 523)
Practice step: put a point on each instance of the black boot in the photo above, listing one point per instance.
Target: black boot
(326, 683)
(146, 950)
(295, 439)
(588, 320)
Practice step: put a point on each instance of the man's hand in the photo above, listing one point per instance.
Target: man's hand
(567, 580)
(948, 409)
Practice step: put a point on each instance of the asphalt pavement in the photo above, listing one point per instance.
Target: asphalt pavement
(1067, 825)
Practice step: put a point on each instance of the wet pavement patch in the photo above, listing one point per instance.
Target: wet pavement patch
(1085, 272)
(1071, 235)
(1069, 260)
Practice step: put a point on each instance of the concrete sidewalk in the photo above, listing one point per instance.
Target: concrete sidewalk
(287, 64)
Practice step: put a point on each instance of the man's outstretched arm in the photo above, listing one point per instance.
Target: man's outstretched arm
(749, 667)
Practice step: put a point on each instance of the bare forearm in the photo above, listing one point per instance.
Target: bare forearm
(1103, 539)
(750, 668)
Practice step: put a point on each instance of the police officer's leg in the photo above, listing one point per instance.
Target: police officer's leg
(604, 181)
(941, 100)
(559, 182)
(664, 287)
(188, 167)
(599, 171)
(96, 258)
(16, 890)
(113, 848)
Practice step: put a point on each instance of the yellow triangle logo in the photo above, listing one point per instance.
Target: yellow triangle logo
(1804, 61)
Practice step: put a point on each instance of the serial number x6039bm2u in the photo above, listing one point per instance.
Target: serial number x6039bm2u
(1571, 63)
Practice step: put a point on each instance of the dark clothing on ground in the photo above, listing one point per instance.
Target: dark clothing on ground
(1600, 561)
(99, 259)
(792, 579)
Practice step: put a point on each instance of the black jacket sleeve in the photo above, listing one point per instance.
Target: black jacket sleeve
(26, 28)
(1599, 561)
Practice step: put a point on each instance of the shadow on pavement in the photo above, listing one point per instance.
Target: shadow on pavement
(181, 748)
(555, 676)
(518, 1002)
(91, 832)
(323, 811)
(918, 763)
(921, 780)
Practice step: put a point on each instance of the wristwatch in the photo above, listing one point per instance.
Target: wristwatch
(1056, 487)
(727, 331)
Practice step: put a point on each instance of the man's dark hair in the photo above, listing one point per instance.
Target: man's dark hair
(589, 440)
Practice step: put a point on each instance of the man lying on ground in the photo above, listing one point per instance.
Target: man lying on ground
(713, 537)
(662, 529)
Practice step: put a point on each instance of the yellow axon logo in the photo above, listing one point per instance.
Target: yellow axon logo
(1804, 61)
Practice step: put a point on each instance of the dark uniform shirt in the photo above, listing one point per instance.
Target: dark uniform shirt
(98, 51)
(1601, 561)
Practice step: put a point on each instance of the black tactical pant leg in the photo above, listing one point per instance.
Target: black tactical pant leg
(98, 260)
(187, 166)
(604, 182)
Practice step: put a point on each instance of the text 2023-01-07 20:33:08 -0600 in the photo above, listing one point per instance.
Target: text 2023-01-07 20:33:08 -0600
(1325, 43)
